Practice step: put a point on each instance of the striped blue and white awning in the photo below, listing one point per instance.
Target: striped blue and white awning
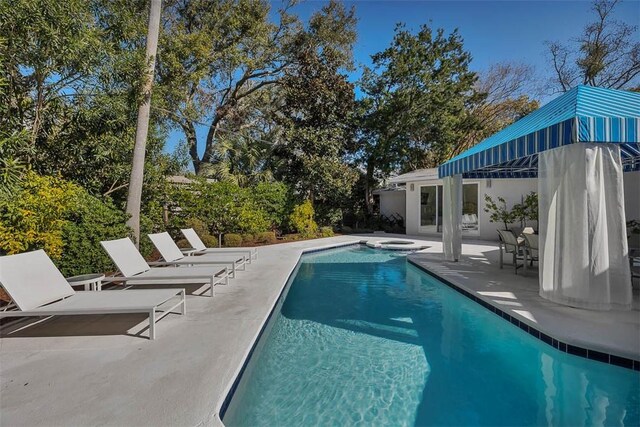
(584, 114)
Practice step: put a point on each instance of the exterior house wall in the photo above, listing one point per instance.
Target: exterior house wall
(632, 202)
(393, 202)
(632, 195)
(511, 189)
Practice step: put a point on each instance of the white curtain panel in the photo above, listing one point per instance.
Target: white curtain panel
(583, 242)
(452, 217)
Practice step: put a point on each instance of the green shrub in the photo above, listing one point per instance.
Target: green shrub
(292, 237)
(63, 219)
(36, 214)
(326, 232)
(198, 226)
(266, 237)
(223, 207)
(93, 221)
(302, 219)
(210, 241)
(251, 219)
(183, 243)
(273, 198)
(232, 240)
(248, 238)
(147, 226)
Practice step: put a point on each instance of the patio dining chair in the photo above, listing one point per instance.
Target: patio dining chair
(530, 250)
(38, 289)
(510, 244)
(634, 265)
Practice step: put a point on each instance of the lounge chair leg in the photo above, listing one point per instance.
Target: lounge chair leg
(501, 256)
(233, 274)
(226, 276)
(152, 324)
(183, 311)
(213, 279)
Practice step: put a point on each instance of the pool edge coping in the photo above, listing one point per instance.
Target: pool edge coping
(521, 322)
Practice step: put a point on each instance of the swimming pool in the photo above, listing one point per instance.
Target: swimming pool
(363, 337)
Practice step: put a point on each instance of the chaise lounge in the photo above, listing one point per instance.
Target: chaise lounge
(170, 253)
(199, 248)
(38, 289)
(136, 271)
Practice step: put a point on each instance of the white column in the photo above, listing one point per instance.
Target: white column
(452, 217)
(583, 242)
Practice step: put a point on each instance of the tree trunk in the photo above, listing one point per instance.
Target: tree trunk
(134, 196)
(192, 142)
(369, 186)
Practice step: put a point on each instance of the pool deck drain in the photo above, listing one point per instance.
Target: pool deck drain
(88, 370)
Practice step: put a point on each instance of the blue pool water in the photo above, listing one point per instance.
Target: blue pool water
(364, 338)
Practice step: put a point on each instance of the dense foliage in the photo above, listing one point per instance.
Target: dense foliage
(268, 118)
(36, 215)
(223, 207)
(63, 219)
(302, 219)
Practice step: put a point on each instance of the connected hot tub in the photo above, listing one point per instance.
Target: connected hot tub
(395, 244)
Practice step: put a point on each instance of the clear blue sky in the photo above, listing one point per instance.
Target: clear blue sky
(493, 31)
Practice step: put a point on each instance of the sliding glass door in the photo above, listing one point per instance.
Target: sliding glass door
(470, 209)
(431, 209)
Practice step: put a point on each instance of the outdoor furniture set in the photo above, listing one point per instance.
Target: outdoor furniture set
(38, 289)
(522, 248)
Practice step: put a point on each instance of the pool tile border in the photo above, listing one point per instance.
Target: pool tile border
(236, 381)
(586, 353)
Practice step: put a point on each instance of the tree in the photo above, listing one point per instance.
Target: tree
(134, 197)
(51, 49)
(316, 114)
(417, 99)
(221, 65)
(215, 58)
(505, 90)
(607, 54)
(70, 85)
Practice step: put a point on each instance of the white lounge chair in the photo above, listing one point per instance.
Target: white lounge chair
(170, 252)
(136, 271)
(199, 248)
(37, 288)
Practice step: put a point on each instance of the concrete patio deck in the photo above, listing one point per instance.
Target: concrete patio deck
(613, 332)
(89, 370)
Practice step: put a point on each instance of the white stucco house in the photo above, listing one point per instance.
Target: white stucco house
(417, 197)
